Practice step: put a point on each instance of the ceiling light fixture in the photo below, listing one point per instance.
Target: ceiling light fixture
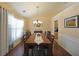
(37, 22)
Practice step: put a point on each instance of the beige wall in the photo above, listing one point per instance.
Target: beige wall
(46, 25)
(68, 38)
(26, 24)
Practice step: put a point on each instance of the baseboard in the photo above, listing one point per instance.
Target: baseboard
(64, 50)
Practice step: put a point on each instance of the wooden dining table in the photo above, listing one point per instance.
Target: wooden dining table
(30, 44)
(32, 38)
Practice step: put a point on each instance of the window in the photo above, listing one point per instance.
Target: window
(19, 28)
(15, 28)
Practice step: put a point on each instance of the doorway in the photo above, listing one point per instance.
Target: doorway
(56, 29)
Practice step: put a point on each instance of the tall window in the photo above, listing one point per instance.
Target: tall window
(15, 28)
(19, 28)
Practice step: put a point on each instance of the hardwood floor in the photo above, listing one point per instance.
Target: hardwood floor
(57, 51)
(18, 51)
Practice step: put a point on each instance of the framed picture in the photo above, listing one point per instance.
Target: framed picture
(72, 22)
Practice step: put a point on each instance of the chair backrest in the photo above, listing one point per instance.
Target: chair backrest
(38, 31)
(26, 36)
(51, 37)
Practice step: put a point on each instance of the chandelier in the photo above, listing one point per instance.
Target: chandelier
(37, 22)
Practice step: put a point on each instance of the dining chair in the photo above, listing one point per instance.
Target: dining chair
(46, 49)
(51, 38)
(28, 49)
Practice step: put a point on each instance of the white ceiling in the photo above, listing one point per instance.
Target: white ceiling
(44, 7)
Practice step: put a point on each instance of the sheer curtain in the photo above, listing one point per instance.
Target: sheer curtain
(19, 28)
(15, 29)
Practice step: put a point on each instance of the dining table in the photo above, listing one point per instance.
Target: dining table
(41, 41)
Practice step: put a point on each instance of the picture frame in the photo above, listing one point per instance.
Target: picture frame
(72, 22)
